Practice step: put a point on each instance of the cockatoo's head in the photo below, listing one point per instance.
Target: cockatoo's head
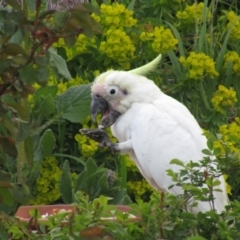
(114, 92)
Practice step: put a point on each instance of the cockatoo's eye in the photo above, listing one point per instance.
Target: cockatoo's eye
(112, 91)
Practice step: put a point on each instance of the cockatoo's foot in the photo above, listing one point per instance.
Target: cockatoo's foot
(100, 136)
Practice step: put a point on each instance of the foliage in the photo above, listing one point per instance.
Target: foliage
(27, 57)
(93, 181)
(165, 216)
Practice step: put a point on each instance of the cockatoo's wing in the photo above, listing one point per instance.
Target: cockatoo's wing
(161, 132)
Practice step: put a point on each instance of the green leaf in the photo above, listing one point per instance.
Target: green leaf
(21, 193)
(41, 60)
(70, 40)
(210, 142)
(45, 91)
(8, 144)
(66, 183)
(220, 59)
(6, 196)
(217, 151)
(207, 152)
(9, 29)
(13, 49)
(177, 162)
(131, 5)
(58, 62)
(42, 75)
(216, 182)
(14, 4)
(44, 107)
(74, 103)
(77, 159)
(48, 142)
(191, 188)
(31, 4)
(180, 42)
(60, 18)
(27, 74)
(83, 18)
(4, 64)
(176, 65)
(23, 112)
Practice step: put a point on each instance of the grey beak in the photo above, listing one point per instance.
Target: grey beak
(98, 105)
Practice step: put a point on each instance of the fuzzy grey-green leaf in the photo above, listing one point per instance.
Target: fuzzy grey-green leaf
(74, 104)
(58, 62)
(48, 142)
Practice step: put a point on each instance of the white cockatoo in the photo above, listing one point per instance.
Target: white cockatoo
(152, 127)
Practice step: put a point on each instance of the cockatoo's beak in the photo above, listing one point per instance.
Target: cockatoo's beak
(100, 105)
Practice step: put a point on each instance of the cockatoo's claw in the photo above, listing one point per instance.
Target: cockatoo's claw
(114, 148)
(100, 136)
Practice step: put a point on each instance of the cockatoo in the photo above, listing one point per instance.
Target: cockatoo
(152, 127)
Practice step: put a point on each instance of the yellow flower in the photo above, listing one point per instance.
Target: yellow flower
(115, 16)
(138, 188)
(47, 189)
(198, 65)
(229, 141)
(234, 24)
(161, 39)
(223, 98)
(233, 58)
(61, 87)
(118, 46)
(192, 14)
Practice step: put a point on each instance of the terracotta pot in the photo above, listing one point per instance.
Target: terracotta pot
(24, 216)
(23, 211)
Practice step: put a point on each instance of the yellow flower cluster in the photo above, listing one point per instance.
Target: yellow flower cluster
(161, 39)
(233, 57)
(223, 97)
(80, 46)
(118, 46)
(229, 141)
(138, 188)
(192, 14)
(47, 189)
(199, 65)
(234, 24)
(115, 15)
